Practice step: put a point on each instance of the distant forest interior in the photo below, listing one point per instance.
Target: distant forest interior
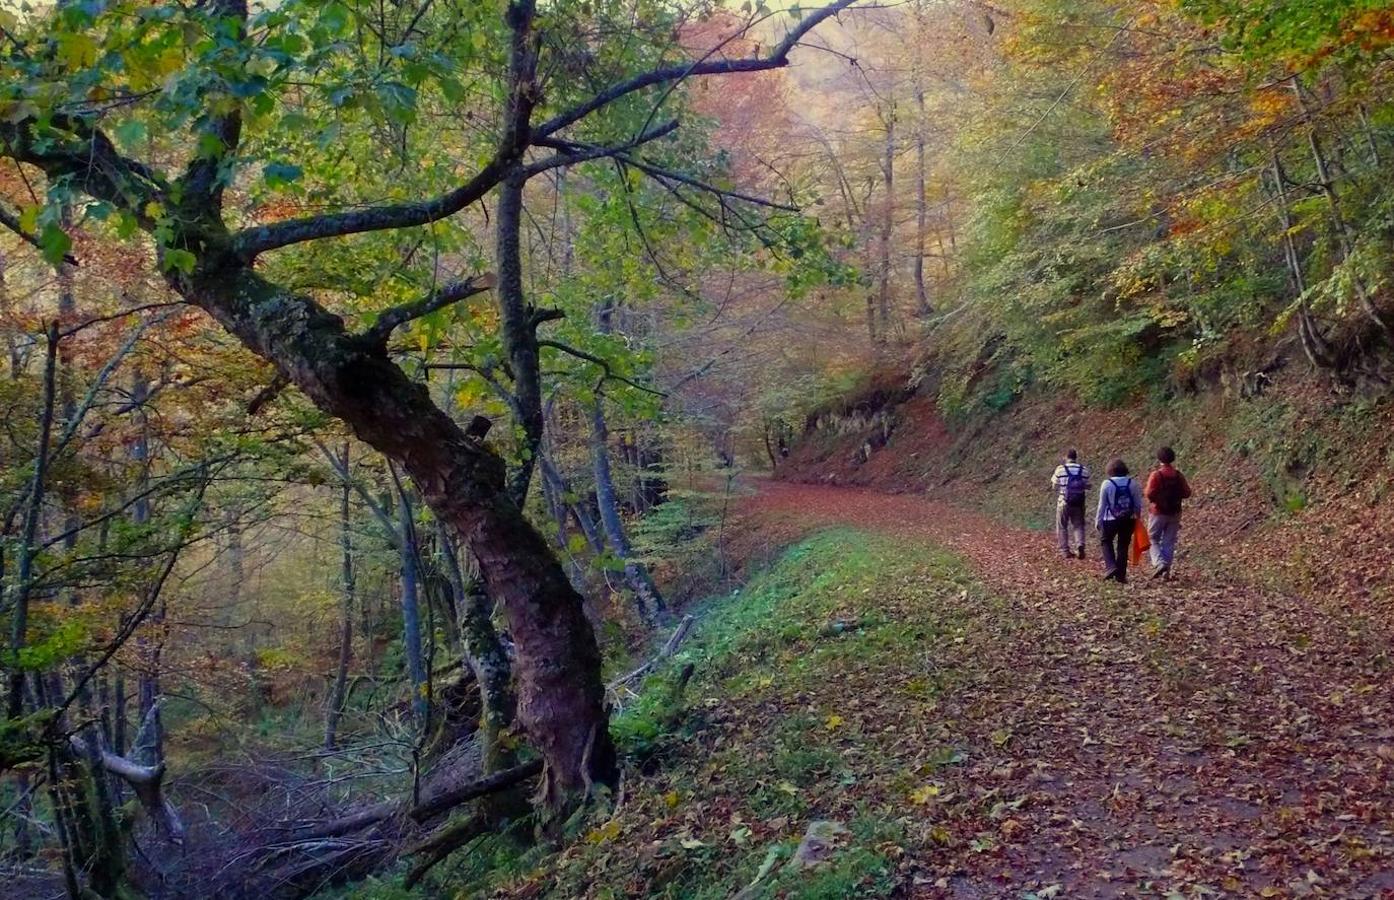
(650, 448)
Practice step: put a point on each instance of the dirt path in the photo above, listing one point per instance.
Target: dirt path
(1190, 739)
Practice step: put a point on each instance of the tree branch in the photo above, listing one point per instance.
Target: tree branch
(10, 221)
(778, 58)
(480, 787)
(454, 292)
(571, 153)
(264, 396)
(249, 242)
(661, 174)
(203, 181)
(67, 147)
(591, 358)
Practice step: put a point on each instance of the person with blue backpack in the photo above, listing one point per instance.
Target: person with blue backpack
(1120, 503)
(1070, 484)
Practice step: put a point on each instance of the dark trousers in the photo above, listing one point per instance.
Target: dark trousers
(1116, 536)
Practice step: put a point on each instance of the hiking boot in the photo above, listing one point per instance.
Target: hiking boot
(1162, 572)
(1110, 574)
(1081, 553)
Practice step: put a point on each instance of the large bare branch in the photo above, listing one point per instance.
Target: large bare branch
(777, 58)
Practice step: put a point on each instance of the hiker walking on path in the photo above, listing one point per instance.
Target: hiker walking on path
(1070, 483)
(1166, 488)
(1120, 503)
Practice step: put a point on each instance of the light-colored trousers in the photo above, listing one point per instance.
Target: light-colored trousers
(1162, 531)
(1069, 523)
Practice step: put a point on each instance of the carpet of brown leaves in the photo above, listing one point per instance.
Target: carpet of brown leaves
(1197, 738)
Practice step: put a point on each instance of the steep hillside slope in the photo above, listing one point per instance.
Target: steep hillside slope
(1292, 484)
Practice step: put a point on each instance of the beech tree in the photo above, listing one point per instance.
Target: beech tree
(83, 84)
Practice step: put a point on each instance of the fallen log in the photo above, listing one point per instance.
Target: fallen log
(354, 821)
(670, 647)
(489, 784)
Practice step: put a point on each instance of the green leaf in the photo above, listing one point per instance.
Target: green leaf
(279, 174)
(130, 133)
(334, 18)
(182, 260)
(55, 243)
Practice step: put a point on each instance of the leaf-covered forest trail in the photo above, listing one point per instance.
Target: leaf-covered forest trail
(1198, 737)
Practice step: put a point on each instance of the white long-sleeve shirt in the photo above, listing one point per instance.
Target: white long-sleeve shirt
(1106, 498)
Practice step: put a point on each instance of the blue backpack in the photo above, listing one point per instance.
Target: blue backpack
(1121, 504)
(1075, 484)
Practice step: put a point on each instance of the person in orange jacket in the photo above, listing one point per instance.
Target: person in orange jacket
(1165, 491)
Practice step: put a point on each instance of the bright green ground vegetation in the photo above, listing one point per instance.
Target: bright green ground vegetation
(802, 680)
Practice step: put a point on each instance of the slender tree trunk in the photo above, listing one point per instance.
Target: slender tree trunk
(519, 331)
(1370, 140)
(555, 496)
(883, 301)
(412, 643)
(150, 750)
(1314, 345)
(334, 709)
(118, 713)
(24, 569)
(949, 221)
(636, 574)
(486, 657)
(579, 513)
(13, 357)
(922, 305)
(1344, 237)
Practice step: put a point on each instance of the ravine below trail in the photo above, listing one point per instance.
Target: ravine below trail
(1196, 738)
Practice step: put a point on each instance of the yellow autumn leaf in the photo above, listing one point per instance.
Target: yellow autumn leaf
(607, 832)
(671, 799)
(923, 795)
(832, 722)
(77, 50)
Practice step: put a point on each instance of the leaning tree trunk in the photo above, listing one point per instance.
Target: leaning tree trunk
(557, 662)
(1314, 344)
(24, 576)
(1345, 238)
